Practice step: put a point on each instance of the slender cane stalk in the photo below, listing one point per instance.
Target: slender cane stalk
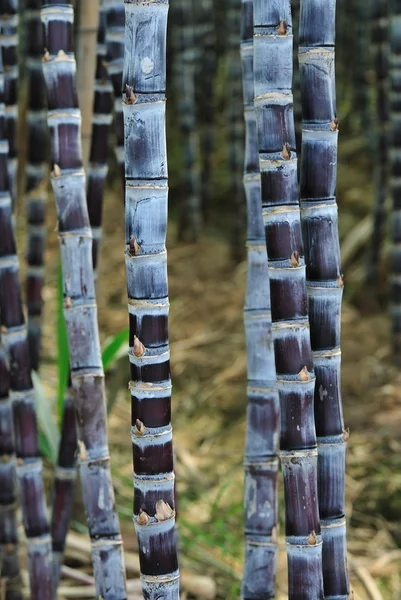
(22, 395)
(190, 217)
(395, 175)
(97, 172)
(323, 274)
(87, 378)
(88, 19)
(36, 179)
(204, 51)
(101, 122)
(261, 448)
(273, 60)
(9, 568)
(381, 66)
(115, 31)
(9, 48)
(64, 485)
(235, 128)
(146, 264)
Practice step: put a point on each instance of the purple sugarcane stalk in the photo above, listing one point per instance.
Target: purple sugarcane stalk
(22, 396)
(37, 171)
(80, 311)
(323, 276)
(273, 66)
(146, 264)
(263, 417)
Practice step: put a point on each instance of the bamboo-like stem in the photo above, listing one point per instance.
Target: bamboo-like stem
(395, 176)
(235, 129)
(97, 172)
(262, 435)
(146, 263)
(184, 68)
(204, 53)
(380, 44)
(115, 28)
(273, 65)
(64, 484)
(22, 396)
(323, 275)
(101, 122)
(9, 49)
(88, 19)
(9, 567)
(36, 179)
(80, 312)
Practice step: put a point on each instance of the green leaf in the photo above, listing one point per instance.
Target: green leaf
(62, 347)
(115, 347)
(47, 422)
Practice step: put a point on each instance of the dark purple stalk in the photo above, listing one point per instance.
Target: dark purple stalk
(323, 276)
(9, 49)
(263, 417)
(9, 565)
(146, 264)
(395, 176)
(22, 396)
(101, 121)
(380, 43)
(273, 66)
(80, 312)
(115, 23)
(37, 169)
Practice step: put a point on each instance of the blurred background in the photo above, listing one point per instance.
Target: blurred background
(207, 274)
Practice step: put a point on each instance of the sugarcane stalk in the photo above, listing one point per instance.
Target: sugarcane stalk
(262, 433)
(204, 51)
(64, 485)
(323, 275)
(36, 179)
(101, 122)
(235, 129)
(9, 50)
(273, 65)
(184, 67)
(146, 264)
(395, 176)
(9, 566)
(22, 396)
(380, 43)
(88, 20)
(80, 312)
(115, 23)
(97, 172)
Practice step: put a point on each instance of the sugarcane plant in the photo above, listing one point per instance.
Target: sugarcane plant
(395, 176)
(235, 128)
(146, 193)
(25, 442)
(36, 180)
(273, 62)
(9, 50)
(9, 563)
(184, 74)
(64, 480)
(86, 36)
(80, 312)
(319, 216)
(101, 123)
(115, 20)
(262, 434)
(64, 484)
(380, 44)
